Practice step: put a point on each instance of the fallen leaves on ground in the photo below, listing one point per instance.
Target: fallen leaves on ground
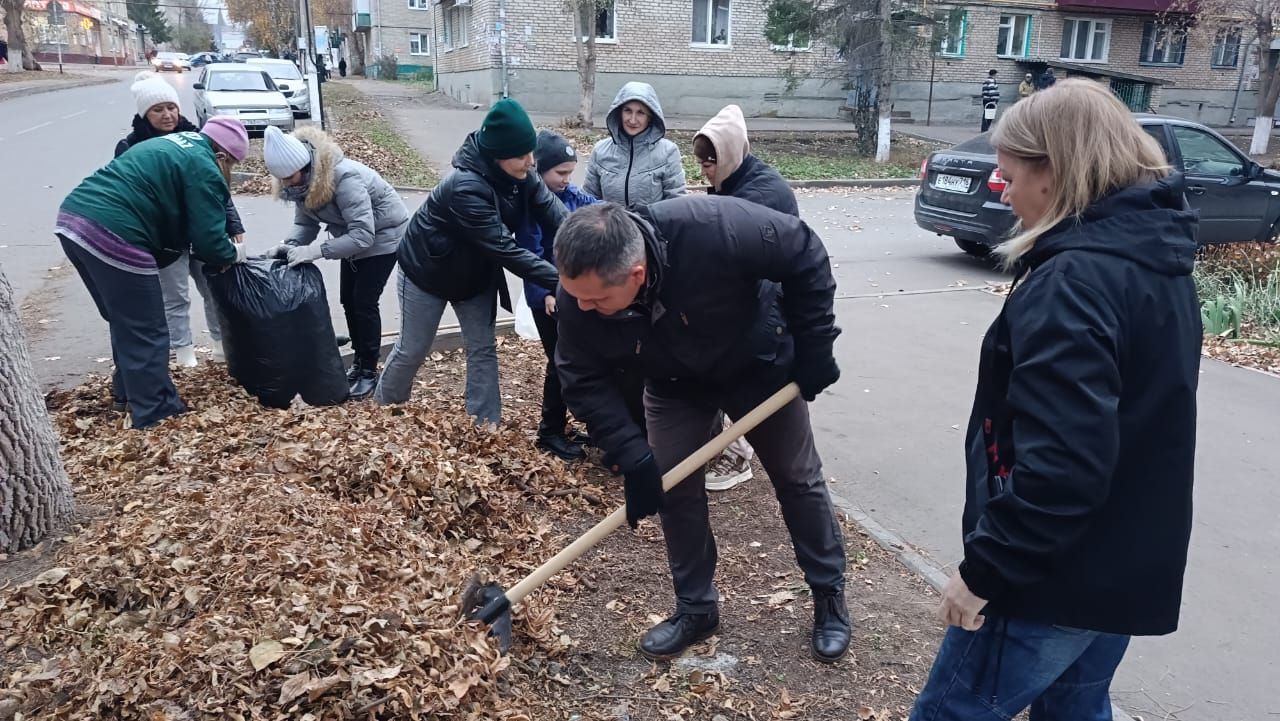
(305, 563)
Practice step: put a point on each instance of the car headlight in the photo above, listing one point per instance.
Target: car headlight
(280, 112)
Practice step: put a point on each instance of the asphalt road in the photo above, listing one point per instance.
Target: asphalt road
(890, 431)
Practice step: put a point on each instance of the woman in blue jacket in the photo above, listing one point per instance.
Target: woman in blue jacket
(556, 161)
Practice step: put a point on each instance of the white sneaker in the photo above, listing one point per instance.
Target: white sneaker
(185, 357)
(727, 471)
(218, 355)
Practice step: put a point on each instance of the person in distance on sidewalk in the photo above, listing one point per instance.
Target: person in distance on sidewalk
(681, 292)
(366, 220)
(1081, 444)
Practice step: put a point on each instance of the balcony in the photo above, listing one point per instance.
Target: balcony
(1127, 7)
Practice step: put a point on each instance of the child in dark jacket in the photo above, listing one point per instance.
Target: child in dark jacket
(556, 161)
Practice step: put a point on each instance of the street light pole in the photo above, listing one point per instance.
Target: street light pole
(310, 36)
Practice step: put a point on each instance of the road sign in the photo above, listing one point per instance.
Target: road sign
(57, 16)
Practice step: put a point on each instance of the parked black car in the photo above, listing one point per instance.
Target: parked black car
(1238, 199)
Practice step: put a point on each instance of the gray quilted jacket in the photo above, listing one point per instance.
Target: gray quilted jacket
(635, 171)
(362, 212)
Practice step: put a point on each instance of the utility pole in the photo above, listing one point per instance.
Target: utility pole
(309, 38)
(58, 21)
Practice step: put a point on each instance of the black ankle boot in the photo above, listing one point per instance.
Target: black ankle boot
(676, 634)
(364, 385)
(831, 628)
(558, 445)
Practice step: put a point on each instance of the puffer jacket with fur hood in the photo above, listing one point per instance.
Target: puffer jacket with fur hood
(362, 212)
(635, 171)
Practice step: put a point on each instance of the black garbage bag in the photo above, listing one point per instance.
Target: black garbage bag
(277, 334)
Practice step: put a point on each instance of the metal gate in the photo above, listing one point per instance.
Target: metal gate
(1134, 94)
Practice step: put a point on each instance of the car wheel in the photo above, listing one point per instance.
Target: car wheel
(977, 250)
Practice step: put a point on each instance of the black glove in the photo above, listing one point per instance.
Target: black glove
(643, 487)
(814, 371)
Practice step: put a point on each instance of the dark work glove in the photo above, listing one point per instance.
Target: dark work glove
(643, 486)
(814, 371)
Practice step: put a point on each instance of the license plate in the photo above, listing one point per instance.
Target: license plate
(254, 123)
(951, 183)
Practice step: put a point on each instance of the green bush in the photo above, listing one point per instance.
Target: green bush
(1239, 292)
(388, 67)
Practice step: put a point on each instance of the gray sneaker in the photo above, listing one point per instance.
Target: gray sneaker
(727, 471)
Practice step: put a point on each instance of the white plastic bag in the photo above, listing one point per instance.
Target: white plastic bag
(525, 327)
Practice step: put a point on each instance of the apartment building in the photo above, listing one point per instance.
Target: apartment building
(94, 31)
(405, 29)
(1200, 72)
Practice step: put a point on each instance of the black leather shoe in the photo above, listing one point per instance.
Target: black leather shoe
(364, 385)
(119, 406)
(831, 628)
(353, 373)
(558, 445)
(673, 636)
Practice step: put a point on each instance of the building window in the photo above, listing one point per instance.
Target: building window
(418, 4)
(605, 22)
(796, 42)
(419, 44)
(1162, 44)
(1014, 38)
(1226, 48)
(1086, 40)
(949, 29)
(453, 31)
(711, 22)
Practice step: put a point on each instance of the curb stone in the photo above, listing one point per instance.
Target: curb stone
(54, 86)
(915, 561)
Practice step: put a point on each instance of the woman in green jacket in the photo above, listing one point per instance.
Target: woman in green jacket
(141, 212)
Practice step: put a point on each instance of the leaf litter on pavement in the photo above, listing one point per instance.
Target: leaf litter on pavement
(309, 564)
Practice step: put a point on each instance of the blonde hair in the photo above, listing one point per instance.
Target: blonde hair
(1089, 142)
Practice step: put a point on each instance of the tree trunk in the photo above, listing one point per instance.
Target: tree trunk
(884, 83)
(584, 39)
(1268, 90)
(17, 38)
(357, 54)
(35, 495)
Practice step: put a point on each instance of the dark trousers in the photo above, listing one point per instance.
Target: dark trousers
(133, 306)
(361, 285)
(555, 415)
(986, 123)
(678, 424)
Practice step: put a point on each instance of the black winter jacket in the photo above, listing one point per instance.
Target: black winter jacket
(708, 319)
(1081, 445)
(462, 237)
(142, 130)
(759, 183)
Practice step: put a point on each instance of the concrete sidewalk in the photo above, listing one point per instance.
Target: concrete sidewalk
(44, 81)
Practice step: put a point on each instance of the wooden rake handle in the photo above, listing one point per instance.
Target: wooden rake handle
(670, 479)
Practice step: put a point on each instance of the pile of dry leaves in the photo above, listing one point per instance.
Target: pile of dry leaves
(260, 564)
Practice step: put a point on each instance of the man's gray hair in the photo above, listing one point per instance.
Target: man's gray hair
(604, 239)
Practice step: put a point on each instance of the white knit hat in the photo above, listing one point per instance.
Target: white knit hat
(149, 90)
(283, 154)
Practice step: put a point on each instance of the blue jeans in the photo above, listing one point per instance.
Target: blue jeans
(1008, 665)
(420, 314)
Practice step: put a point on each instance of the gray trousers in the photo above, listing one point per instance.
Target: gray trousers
(420, 314)
(177, 300)
(678, 424)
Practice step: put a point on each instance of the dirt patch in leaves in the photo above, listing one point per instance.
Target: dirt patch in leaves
(308, 563)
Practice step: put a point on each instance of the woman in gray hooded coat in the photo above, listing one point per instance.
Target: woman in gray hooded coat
(636, 165)
(365, 218)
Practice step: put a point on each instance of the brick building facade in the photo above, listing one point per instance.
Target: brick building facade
(1151, 66)
(702, 54)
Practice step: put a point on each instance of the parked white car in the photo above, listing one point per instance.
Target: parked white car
(177, 62)
(242, 91)
(290, 81)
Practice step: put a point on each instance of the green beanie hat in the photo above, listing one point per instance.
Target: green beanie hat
(507, 131)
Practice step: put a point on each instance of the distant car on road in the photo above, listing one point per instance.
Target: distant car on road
(1238, 199)
(176, 62)
(244, 55)
(241, 91)
(289, 81)
(202, 59)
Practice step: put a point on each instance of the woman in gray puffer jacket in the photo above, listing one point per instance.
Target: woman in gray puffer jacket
(365, 218)
(636, 165)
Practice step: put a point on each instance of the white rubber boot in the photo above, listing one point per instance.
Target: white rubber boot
(185, 357)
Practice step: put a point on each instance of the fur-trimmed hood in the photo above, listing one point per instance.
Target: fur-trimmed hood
(322, 178)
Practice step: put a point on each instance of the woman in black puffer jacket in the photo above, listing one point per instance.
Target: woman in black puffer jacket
(159, 115)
